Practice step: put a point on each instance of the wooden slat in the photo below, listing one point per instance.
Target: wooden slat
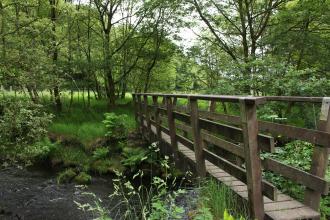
(309, 135)
(182, 117)
(313, 182)
(185, 141)
(232, 119)
(268, 189)
(265, 142)
(224, 98)
(312, 136)
(294, 99)
(226, 145)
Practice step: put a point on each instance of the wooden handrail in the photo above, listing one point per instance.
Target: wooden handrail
(239, 136)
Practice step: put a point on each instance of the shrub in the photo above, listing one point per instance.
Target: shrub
(83, 178)
(116, 127)
(22, 123)
(100, 153)
(66, 176)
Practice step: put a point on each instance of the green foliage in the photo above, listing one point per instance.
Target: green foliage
(218, 199)
(100, 153)
(83, 178)
(70, 156)
(36, 152)
(134, 156)
(66, 176)
(22, 123)
(116, 126)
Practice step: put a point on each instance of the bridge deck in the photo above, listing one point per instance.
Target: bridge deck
(284, 208)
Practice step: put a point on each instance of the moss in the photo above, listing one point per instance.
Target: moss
(101, 166)
(66, 176)
(83, 178)
(70, 157)
(107, 165)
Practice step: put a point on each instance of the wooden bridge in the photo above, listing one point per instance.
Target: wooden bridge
(228, 147)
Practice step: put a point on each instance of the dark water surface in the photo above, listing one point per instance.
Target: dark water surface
(35, 195)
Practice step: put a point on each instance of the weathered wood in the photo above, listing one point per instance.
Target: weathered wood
(267, 188)
(226, 145)
(294, 99)
(320, 157)
(140, 113)
(212, 106)
(313, 182)
(252, 158)
(172, 129)
(136, 111)
(157, 116)
(265, 142)
(147, 115)
(198, 141)
(309, 135)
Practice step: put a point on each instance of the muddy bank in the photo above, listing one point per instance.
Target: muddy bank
(35, 195)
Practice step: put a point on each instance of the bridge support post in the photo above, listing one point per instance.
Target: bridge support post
(147, 117)
(197, 137)
(157, 118)
(172, 129)
(140, 113)
(320, 157)
(136, 111)
(252, 158)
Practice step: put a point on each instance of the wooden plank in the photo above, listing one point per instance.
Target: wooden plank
(320, 157)
(309, 135)
(294, 99)
(224, 98)
(185, 141)
(232, 119)
(226, 145)
(283, 205)
(252, 158)
(297, 213)
(265, 142)
(313, 136)
(311, 181)
(267, 188)
(198, 141)
(182, 117)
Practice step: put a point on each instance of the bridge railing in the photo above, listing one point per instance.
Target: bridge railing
(230, 141)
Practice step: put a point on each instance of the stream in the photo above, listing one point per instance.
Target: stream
(35, 195)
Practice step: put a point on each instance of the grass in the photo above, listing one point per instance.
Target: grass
(85, 123)
(217, 198)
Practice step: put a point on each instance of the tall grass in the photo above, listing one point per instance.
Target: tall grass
(217, 198)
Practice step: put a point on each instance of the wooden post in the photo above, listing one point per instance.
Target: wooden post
(157, 118)
(212, 106)
(171, 127)
(197, 137)
(252, 158)
(147, 117)
(320, 157)
(185, 133)
(136, 111)
(140, 113)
